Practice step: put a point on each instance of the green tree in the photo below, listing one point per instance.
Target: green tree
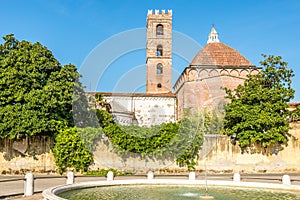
(257, 113)
(35, 90)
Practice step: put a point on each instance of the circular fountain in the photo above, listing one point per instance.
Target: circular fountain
(172, 189)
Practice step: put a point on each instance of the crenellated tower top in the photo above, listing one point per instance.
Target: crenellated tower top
(157, 12)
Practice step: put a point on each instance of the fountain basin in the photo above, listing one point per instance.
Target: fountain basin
(53, 193)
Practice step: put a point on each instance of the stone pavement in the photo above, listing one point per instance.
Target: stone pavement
(38, 196)
(15, 189)
(10, 189)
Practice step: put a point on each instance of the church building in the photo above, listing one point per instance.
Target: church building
(200, 85)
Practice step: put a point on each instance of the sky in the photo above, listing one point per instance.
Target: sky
(110, 34)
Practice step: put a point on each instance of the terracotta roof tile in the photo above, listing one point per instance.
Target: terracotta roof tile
(219, 54)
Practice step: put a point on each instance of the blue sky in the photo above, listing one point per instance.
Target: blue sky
(74, 29)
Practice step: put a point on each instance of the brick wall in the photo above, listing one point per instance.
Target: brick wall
(199, 88)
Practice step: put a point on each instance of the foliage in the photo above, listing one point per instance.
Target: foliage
(181, 140)
(82, 114)
(258, 110)
(70, 152)
(295, 115)
(213, 121)
(35, 90)
(88, 136)
(192, 129)
(103, 172)
(98, 99)
(104, 118)
(86, 115)
(142, 140)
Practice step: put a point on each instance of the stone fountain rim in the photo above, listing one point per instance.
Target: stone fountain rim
(51, 193)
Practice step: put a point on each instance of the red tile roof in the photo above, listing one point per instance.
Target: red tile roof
(219, 54)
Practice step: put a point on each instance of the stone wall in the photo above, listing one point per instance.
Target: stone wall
(275, 159)
(221, 156)
(27, 154)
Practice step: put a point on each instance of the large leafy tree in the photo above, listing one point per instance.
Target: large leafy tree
(257, 113)
(35, 90)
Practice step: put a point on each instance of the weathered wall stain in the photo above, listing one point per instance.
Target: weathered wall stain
(27, 154)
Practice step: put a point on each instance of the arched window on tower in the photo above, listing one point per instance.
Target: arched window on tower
(159, 50)
(159, 68)
(159, 29)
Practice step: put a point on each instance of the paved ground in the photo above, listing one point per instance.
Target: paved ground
(12, 187)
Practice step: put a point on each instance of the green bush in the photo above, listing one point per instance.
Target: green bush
(103, 172)
(70, 152)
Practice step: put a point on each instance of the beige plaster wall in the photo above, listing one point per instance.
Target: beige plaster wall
(222, 156)
(28, 154)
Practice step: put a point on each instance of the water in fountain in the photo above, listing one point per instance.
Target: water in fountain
(150, 192)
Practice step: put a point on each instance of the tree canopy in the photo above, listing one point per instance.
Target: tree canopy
(35, 90)
(257, 113)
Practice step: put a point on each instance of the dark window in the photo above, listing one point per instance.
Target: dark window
(159, 68)
(159, 29)
(159, 50)
(159, 85)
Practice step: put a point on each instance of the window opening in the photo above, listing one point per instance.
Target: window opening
(159, 68)
(159, 29)
(159, 50)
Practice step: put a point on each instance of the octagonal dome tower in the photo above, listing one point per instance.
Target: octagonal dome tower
(215, 67)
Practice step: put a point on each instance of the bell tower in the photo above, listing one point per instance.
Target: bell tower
(159, 52)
